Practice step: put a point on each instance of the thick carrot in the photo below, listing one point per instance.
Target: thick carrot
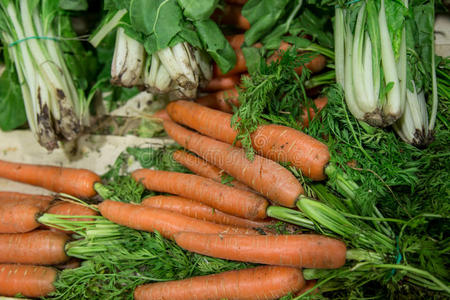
(75, 182)
(165, 222)
(263, 282)
(303, 251)
(223, 83)
(27, 280)
(222, 197)
(201, 211)
(309, 113)
(41, 201)
(39, 247)
(18, 218)
(231, 15)
(203, 168)
(221, 100)
(262, 175)
(279, 143)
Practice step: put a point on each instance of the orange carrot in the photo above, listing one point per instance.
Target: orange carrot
(231, 15)
(279, 143)
(165, 222)
(203, 168)
(29, 281)
(303, 251)
(39, 247)
(222, 197)
(201, 211)
(18, 218)
(223, 83)
(236, 40)
(221, 100)
(72, 263)
(309, 113)
(309, 284)
(41, 201)
(262, 175)
(264, 282)
(75, 182)
(161, 115)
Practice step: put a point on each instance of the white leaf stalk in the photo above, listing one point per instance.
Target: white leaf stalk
(364, 55)
(55, 109)
(128, 61)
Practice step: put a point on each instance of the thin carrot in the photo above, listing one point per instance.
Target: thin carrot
(203, 168)
(303, 251)
(75, 182)
(72, 263)
(262, 175)
(309, 284)
(201, 211)
(165, 222)
(18, 218)
(222, 197)
(279, 143)
(161, 115)
(221, 100)
(310, 113)
(231, 15)
(41, 201)
(223, 83)
(263, 282)
(27, 280)
(39, 247)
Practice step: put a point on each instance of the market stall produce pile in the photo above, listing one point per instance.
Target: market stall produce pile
(305, 164)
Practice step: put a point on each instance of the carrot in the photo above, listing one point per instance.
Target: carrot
(71, 209)
(75, 182)
(309, 113)
(221, 100)
(161, 115)
(231, 15)
(236, 40)
(41, 201)
(309, 284)
(303, 251)
(203, 168)
(165, 222)
(200, 211)
(223, 83)
(39, 247)
(263, 282)
(279, 143)
(72, 263)
(18, 218)
(222, 197)
(29, 281)
(262, 175)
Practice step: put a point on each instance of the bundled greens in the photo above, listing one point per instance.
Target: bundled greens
(176, 35)
(47, 59)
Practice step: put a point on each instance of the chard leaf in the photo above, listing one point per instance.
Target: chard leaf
(216, 44)
(395, 17)
(116, 4)
(77, 5)
(12, 110)
(198, 9)
(252, 59)
(309, 23)
(160, 18)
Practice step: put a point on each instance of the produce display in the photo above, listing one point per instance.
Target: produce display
(303, 150)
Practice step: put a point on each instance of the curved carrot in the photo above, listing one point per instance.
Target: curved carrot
(221, 100)
(223, 83)
(203, 168)
(279, 143)
(231, 15)
(264, 282)
(39, 247)
(41, 201)
(309, 113)
(165, 222)
(27, 280)
(303, 251)
(222, 197)
(262, 175)
(200, 211)
(75, 182)
(18, 218)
